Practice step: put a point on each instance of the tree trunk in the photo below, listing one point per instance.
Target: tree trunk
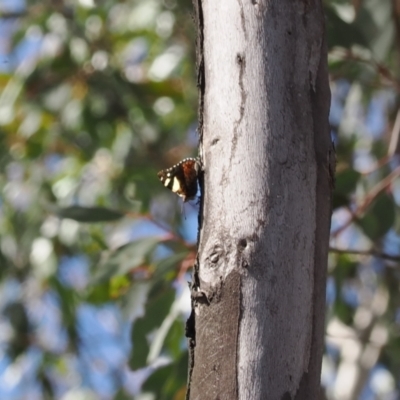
(257, 326)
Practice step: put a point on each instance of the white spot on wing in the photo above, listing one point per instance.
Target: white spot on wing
(167, 181)
(176, 186)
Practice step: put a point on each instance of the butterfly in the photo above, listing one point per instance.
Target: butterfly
(182, 178)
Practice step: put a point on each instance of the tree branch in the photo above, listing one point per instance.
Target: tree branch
(12, 14)
(380, 68)
(370, 252)
(369, 198)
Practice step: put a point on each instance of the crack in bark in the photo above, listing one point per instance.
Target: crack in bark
(242, 18)
(201, 85)
(201, 82)
(241, 61)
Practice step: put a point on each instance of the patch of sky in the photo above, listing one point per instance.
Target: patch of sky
(19, 377)
(74, 271)
(376, 117)
(339, 91)
(136, 51)
(333, 351)
(45, 315)
(330, 290)
(29, 48)
(391, 243)
(144, 228)
(380, 385)
(162, 252)
(104, 346)
(350, 238)
(192, 138)
(53, 163)
(350, 295)
(12, 6)
(64, 375)
(368, 278)
(189, 224)
(377, 265)
(7, 29)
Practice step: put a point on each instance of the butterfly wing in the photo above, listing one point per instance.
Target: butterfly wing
(181, 178)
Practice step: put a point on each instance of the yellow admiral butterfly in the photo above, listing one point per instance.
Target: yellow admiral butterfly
(182, 178)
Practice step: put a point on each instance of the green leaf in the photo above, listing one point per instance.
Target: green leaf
(68, 303)
(379, 218)
(343, 311)
(156, 382)
(341, 33)
(173, 341)
(345, 184)
(339, 200)
(133, 302)
(140, 344)
(90, 214)
(169, 381)
(158, 306)
(100, 293)
(379, 150)
(122, 395)
(346, 268)
(369, 225)
(163, 266)
(125, 258)
(375, 23)
(346, 181)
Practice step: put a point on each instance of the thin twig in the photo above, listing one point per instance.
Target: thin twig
(371, 252)
(380, 68)
(379, 164)
(13, 14)
(395, 136)
(369, 198)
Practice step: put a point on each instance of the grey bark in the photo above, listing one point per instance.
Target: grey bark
(258, 293)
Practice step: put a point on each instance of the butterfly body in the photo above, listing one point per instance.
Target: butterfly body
(182, 178)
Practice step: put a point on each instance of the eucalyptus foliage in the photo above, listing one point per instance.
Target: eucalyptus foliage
(96, 254)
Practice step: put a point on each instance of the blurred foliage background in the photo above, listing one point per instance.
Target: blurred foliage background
(95, 255)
